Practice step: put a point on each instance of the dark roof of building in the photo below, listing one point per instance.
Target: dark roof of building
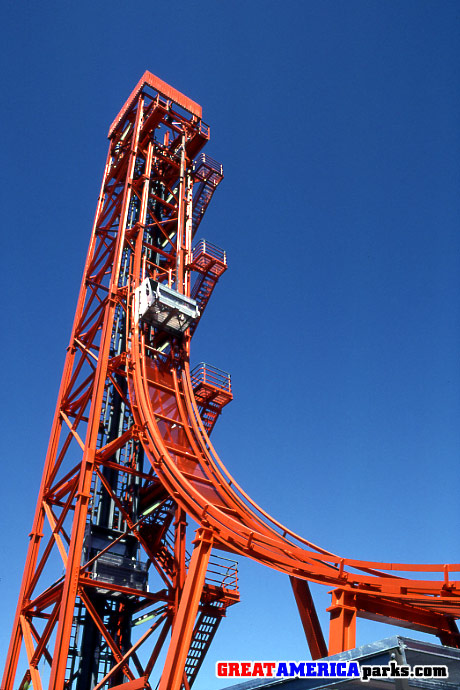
(402, 649)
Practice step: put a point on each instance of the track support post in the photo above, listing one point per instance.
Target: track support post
(342, 626)
(309, 618)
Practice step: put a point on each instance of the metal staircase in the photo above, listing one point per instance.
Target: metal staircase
(209, 262)
(208, 174)
(203, 634)
(213, 390)
(220, 592)
(156, 531)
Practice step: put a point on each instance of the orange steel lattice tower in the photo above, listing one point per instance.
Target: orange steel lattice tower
(102, 513)
(129, 456)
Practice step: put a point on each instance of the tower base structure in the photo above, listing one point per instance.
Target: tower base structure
(130, 466)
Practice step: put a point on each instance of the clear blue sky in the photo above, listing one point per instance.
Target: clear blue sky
(339, 318)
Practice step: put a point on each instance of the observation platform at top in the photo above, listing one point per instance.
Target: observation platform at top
(167, 95)
(403, 650)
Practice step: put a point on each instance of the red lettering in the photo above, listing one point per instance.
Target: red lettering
(233, 668)
(221, 671)
(269, 667)
(245, 668)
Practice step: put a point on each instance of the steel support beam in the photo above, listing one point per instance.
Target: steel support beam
(342, 627)
(173, 672)
(309, 618)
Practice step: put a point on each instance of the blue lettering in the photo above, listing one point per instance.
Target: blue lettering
(310, 668)
(341, 669)
(296, 670)
(353, 669)
(282, 669)
(323, 668)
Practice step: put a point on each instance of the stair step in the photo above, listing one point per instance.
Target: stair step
(203, 635)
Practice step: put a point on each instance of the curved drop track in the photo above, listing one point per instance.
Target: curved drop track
(147, 214)
(185, 461)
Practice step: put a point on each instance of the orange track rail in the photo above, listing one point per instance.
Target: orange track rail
(164, 417)
(193, 474)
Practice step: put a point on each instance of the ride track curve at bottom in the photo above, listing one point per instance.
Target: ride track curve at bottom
(183, 458)
(126, 398)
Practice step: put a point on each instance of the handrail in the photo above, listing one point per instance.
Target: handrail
(208, 374)
(206, 160)
(204, 247)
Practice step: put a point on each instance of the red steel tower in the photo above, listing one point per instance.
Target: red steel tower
(102, 513)
(108, 579)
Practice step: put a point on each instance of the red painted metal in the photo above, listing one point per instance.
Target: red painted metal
(162, 89)
(152, 200)
(342, 628)
(309, 618)
(186, 613)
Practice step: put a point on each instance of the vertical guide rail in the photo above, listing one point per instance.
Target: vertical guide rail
(144, 225)
(84, 487)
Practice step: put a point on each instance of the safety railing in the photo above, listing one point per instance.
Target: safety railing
(204, 250)
(205, 374)
(222, 572)
(204, 129)
(204, 160)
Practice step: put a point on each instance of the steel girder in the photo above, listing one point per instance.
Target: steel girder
(159, 466)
